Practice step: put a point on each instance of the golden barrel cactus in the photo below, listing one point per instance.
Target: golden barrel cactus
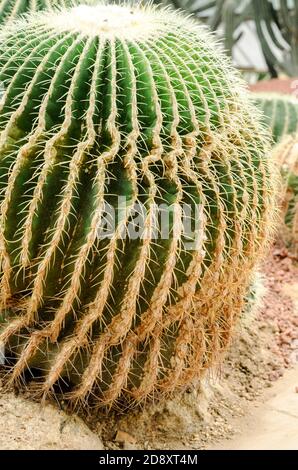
(106, 103)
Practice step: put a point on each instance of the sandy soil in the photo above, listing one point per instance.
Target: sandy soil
(25, 425)
(272, 424)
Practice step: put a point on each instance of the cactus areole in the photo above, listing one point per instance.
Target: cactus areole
(108, 113)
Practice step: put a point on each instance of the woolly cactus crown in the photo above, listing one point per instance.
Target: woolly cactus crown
(136, 102)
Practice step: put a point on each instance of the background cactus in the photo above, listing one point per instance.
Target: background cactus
(281, 117)
(111, 101)
(280, 113)
(287, 156)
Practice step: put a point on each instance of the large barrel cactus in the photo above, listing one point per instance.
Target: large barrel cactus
(108, 113)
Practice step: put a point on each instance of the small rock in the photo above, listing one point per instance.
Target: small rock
(25, 425)
(125, 438)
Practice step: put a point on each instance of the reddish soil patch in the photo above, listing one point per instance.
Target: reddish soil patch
(277, 85)
(280, 304)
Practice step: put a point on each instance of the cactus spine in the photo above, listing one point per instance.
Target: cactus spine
(111, 101)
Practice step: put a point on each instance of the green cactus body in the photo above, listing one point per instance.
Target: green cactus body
(110, 101)
(280, 113)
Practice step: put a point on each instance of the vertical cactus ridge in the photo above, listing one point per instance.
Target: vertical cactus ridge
(101, 102)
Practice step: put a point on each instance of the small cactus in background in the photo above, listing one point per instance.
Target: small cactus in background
(281, 117)
(280, 113)
(287, 156)
(105, 102)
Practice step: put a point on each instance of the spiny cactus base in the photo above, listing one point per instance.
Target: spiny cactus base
(115, 101)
